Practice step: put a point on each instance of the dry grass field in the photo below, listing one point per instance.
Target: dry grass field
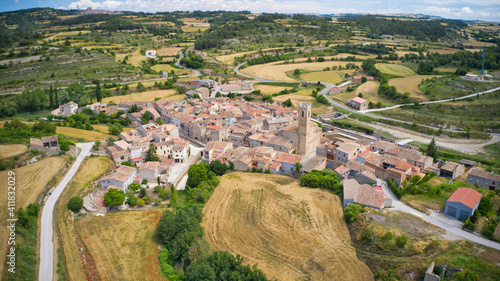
(277, 70)
(229, 59)
(304, 95)
(30, 182)
(369, 91)
(84, 134)
(168, 67)
(135, 59)
(123, 244)
(11, 150)
(91, 169)
(291, 232)
(168, 51)
(146, 96)
(323, 76)
(444, 51)
(65, 34)
(410, 85)
(269, 90)
(394, 69)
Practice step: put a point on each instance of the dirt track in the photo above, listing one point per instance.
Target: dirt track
(291, 232)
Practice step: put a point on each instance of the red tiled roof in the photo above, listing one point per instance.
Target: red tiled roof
(467, 196)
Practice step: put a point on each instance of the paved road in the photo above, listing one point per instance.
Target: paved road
(178, 64)
(47, 231)
(452, 226)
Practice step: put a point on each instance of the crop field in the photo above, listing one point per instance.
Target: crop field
(410, 85)
(269, 90)
(90, 169)
(168, 51)
(291, 232)
(84, 134)
(277, 70)
(324, 76)
(229, 59)
(123, 244)
(135, 59)
(146, 96)
(11, 150)
(104, 128)
(394, 69)
(30, 182)
(65, 34)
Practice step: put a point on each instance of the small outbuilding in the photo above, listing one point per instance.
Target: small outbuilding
(462, 203)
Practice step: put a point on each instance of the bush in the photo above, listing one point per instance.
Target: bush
(157, 201)
(165, 194)
(157, 188)
(140, 202)
(132, 200)
(134, 186)
(75, 204)
(469, 225)
(401, 241)
(388, 236)
(114, 197)
(351, 213)
(144, 181)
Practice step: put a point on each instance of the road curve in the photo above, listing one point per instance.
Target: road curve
(46, 243)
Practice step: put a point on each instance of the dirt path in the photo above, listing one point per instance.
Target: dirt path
(291, 232)
(469, 146)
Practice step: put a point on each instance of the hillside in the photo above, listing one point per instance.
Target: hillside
(292, 232)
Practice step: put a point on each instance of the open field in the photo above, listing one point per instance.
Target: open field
(146, 96)
(194, 28)
(168, 51)
(229, 59)
(324, 76)
(369, 91)
(84, 134)
(65, 34)
(394, 69)
(91, 169)
(375, 235)
(123, 244)
(30, 181)
(410, 85)
(104, 128)
(11, 150)
(277, 70)
(304, 95)
(135, 59)
(291, 232)
(269, 90)
(168, 67)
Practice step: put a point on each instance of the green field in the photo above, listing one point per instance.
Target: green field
(394, 70)
(449, 87)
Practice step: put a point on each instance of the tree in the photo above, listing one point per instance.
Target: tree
(287, 103)
(432, 149)
(360, 94)
(134, 186)
(202, 271)
(157, 188)
(132, 200)
(114, 197)
(142, 192)
(165, 194)
(298, 167)
(351, 213)
(152, 156)
(296, 72)
(140, 87)
(51, 97)
(126, 163)
(146, 117)
(485, 205)
(196, 174)
(401, 241)
(75, 204)
(115, 129)
(98, 94)
(217, 167)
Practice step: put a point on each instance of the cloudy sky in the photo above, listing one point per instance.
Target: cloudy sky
(488, 10)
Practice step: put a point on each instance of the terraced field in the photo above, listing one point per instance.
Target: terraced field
(291, 232)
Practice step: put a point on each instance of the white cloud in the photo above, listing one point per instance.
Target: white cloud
(466, 10)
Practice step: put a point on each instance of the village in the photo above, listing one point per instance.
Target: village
(263, 138)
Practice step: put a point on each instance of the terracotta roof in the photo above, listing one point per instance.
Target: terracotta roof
(467, 196)
(358, 100)
(403, 166)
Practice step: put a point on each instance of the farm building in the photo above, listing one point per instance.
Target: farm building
(121, 177)
(358, 103)
(462, 203)
(356, 79)
(207, 71)
(451, 170)
(484, 179)
(151, 54)
(49, 145)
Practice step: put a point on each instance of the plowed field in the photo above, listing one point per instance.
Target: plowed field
(291, 232)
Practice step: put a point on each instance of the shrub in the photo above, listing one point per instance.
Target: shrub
(132, 201)
(165, 194)
(140, 202)
(351, 213)
(401, 241)
(114, 197)
(75, 204)
(157, 188)
(134, 186)
(157, 201)
(144, 181)
(388, 236)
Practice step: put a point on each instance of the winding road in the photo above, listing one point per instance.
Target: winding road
(47, 231)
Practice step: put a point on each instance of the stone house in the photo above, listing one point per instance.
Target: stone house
(484, 179)
(122, 177)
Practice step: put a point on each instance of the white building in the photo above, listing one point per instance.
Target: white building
(121, 177)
